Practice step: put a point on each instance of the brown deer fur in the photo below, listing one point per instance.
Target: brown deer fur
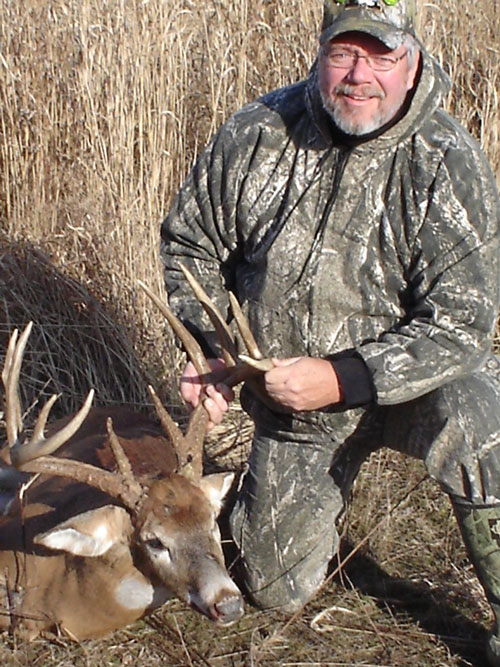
(48, 575)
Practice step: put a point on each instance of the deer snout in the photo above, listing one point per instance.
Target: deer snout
(224, 608)
(228, 610)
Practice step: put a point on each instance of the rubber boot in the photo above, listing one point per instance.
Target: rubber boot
(480, 528)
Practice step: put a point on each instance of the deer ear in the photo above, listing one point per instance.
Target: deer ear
(215, 487)
(89, 534)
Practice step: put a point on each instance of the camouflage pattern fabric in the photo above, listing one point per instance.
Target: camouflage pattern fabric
(389, 23)
(380, 255)
(300, 477)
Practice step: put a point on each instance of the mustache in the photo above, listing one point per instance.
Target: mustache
(363, 91)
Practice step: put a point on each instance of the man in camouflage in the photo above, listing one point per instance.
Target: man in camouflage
(357, 222)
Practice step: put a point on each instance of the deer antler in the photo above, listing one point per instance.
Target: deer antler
(189, 450)
(32, 456)
(238, 368)
(248, 364)
(38, 445)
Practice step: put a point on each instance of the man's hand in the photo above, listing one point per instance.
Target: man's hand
(298, 383)
(217, 398)
(303, 383)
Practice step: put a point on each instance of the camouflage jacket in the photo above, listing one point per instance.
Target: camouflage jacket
(380, 255)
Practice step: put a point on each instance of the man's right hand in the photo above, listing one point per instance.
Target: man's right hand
(216, 397)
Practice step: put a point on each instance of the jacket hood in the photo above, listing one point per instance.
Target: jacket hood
(431, 89)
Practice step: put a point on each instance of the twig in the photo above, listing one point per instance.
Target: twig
(183, 642)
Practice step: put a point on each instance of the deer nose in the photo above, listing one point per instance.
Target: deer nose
(229, 610)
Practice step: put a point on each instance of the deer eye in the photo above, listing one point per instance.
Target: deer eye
(155, 544)
(158, 551)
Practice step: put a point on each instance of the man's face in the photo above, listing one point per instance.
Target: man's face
(361, 100)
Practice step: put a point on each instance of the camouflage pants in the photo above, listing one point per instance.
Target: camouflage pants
(302, 466)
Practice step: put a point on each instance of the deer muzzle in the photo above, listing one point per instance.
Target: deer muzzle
(228, 611)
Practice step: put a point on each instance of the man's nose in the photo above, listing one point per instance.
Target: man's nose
(360, 72)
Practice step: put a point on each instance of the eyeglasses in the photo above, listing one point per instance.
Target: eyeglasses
(348, 60)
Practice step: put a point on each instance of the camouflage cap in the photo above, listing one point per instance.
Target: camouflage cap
(387, 20)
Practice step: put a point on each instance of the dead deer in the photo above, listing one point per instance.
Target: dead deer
(122, 519)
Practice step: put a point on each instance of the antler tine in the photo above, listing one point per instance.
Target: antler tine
(244, 328)
(125, 469)
(256, 359)
(169, 426)
(188, 448)
(193, 349)
(22, 453)
(10, 379)
(224, 333)
(39, 429)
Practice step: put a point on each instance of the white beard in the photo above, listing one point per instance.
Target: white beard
(349, 124)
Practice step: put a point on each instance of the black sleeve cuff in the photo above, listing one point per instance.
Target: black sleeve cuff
(355, 381)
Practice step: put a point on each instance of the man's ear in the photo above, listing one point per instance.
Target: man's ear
(215, 487)
(89, 534)
(413, 71)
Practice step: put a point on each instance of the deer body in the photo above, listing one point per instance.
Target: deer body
(52, 573)
(44, 592)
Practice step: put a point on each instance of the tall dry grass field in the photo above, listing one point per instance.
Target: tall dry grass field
(104, 106)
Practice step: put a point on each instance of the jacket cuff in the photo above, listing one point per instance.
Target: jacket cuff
(355, 381)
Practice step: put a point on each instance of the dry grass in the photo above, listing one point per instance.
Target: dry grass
(464, 37)
(104, 105)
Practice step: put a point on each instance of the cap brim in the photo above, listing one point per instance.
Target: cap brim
(390, 36)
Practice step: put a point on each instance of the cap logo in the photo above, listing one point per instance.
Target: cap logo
(387, 20)
(365, 3)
